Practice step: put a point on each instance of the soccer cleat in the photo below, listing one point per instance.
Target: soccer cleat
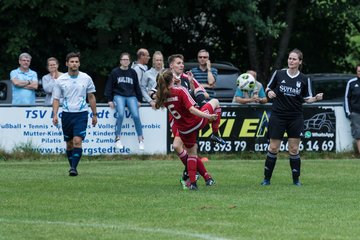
(265, 182)
(185, 175)
(197, 176)
(217, 138)
(118, 144)
(184, 184)
(73, 172)
(297, 183)
(141, 145)
(210, 182)
(193, 187)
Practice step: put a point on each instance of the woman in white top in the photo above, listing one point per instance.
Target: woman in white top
(148, 81)
(48, 81)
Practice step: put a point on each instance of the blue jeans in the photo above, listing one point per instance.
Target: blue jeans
(132, 104)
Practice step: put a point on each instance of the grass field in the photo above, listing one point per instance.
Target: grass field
(137, 199)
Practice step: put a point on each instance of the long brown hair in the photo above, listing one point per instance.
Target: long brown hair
(163, 79)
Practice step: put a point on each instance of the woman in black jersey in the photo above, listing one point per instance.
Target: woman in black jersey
(289, 89)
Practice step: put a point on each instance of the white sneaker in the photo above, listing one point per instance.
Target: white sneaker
(118, 144)
(141, 145)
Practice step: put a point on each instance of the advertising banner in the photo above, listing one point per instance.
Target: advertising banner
(32, 126)
(245, 129)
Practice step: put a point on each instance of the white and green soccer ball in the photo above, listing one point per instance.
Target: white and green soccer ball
(246, 82)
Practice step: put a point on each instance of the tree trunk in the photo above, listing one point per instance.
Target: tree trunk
(268, 49)
(285, 38)
(252, 48)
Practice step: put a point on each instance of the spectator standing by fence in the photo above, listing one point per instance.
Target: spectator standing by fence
(123, 90)
(24, 81)
(48, 81)
(352, 106)
(140, 66)
(148, 81)
(204, 73)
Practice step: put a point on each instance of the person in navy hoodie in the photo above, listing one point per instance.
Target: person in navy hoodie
(123, 90)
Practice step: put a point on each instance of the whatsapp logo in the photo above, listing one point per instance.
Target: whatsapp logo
(307, 134)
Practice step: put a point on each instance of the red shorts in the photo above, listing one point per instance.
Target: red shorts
(189, 139)
(174, 129)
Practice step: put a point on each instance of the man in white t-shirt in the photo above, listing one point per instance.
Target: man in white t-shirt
(74, 86)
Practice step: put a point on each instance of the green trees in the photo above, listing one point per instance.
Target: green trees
(253, 34)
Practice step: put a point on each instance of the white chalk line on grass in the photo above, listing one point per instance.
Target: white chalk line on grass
(117, 226)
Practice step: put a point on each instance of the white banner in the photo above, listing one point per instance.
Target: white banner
(33, 126)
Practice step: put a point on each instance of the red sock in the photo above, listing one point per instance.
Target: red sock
(191, 166)
(183, 156)
(215, 124)
(201, 169)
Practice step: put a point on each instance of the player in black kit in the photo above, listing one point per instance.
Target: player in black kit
(289, 89)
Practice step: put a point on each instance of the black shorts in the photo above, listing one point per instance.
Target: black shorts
(74, 124)
(277, 127)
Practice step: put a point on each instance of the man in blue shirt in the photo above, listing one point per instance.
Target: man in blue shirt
(204, 73)
(24, 81)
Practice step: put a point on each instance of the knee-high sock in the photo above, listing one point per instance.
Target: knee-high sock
(191, 166)
(69, 154)
(201, 169)
(269, 164)
(183, 156)
(200, 98)
(77, 153)
(295, 164)
(215, 124)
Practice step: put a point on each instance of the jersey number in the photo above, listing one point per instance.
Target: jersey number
(173, 111)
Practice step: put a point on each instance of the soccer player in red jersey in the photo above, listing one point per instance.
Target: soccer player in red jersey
(188, 118)
(198, 93)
